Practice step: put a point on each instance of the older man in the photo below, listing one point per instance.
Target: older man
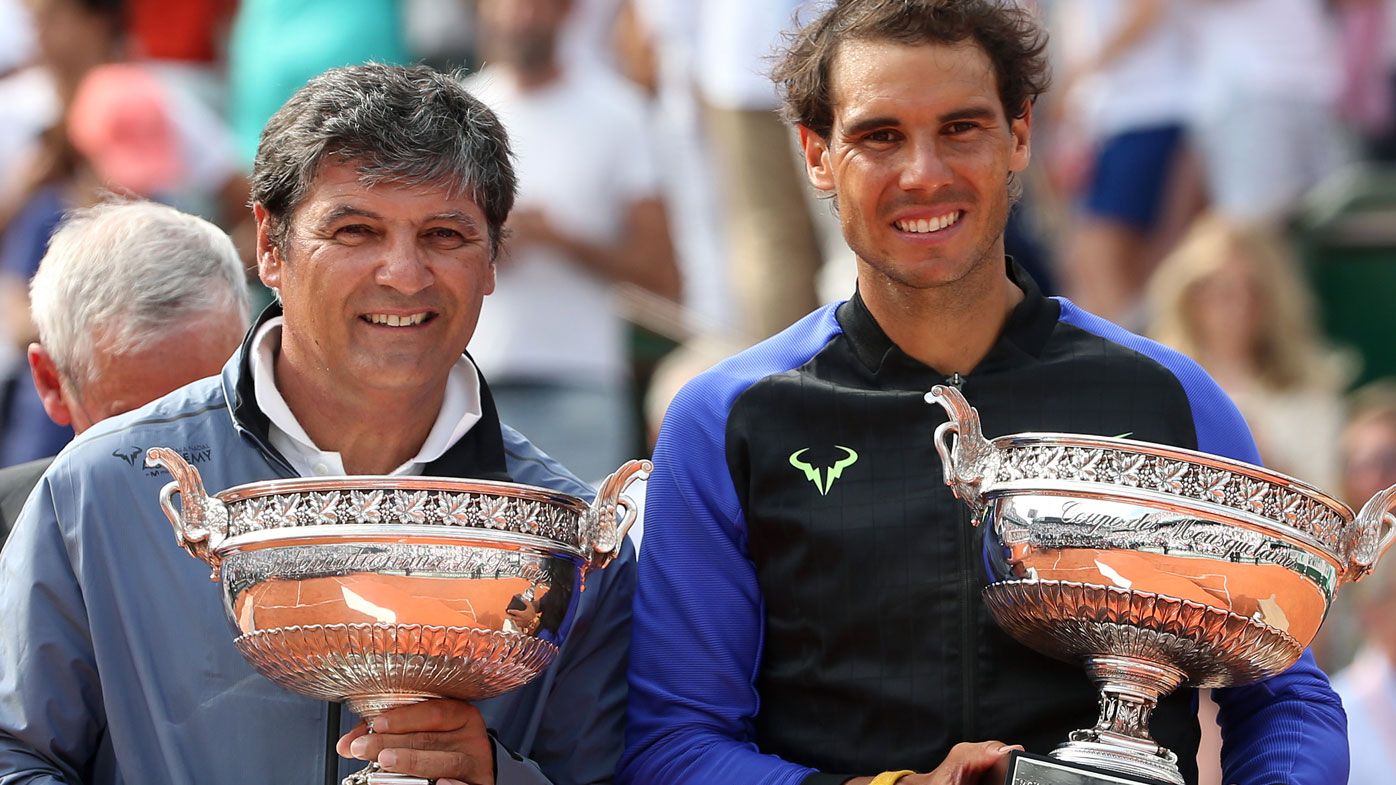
(132, 300)
(380, 194)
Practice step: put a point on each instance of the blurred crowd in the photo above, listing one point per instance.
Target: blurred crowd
(1202, 166)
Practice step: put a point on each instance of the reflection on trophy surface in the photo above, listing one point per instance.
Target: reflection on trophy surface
(1154, 566)
(384, 591)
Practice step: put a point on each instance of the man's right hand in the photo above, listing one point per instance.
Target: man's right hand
(978, 763)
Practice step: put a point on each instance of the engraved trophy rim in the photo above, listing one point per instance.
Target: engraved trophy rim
(1254, 471)
(263, 531)
(1328, 541)
(387, 482)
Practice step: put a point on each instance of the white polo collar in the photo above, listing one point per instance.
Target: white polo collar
(460, 410)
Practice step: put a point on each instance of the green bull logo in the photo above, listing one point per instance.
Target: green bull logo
(823, 479)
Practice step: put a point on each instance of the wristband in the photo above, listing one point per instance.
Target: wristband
(889, 777)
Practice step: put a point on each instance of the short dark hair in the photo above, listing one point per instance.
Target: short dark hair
(399, 124)
(1009, 34)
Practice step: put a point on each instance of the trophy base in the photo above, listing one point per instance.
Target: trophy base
(1025, 768)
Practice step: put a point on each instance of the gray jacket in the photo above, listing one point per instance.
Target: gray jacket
(117, 665)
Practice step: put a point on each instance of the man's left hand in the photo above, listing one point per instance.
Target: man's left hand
(443, 740)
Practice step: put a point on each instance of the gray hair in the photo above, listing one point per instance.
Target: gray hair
(119, 276)
(402, 124)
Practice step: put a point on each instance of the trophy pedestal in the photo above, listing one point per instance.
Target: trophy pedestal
(1025, 768)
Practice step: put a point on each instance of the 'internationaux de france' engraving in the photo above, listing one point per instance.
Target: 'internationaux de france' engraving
(241, 570)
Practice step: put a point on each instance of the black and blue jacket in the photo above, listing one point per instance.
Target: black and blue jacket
(808, 604)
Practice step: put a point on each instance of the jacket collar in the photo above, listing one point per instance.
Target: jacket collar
(479, 454)
(1024, 335)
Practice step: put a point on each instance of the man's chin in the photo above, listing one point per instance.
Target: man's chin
(407, 380)
(923, 274)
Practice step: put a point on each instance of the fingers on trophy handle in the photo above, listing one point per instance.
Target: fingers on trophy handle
(615, 511)
(967, 457)
(200, 521)
(1374, 531)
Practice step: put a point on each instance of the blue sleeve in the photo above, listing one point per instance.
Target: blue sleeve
(50, 696)
(698, 618)
(1289, 728)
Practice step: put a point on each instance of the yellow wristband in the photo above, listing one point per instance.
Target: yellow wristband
(889, 777)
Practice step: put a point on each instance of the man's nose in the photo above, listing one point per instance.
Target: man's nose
(925, 168)
(405, 267)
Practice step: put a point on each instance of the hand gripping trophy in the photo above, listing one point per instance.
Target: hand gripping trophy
(1153, 566)
(385, 591)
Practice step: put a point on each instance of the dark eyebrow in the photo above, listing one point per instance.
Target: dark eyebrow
(454, 216)
(868, 124)
(969, 113)
(958, 115)
(345, 211)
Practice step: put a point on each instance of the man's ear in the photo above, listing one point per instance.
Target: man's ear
(818, 167)
(269, 260)
(1021, 128)
(50, 385)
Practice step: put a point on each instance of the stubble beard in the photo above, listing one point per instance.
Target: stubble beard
(967, 287)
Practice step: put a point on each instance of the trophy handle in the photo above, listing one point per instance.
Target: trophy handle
(1371, 534)
(612, 513)
(968, 458)
(200, 521)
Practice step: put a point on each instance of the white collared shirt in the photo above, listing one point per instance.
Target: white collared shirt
(460, 410)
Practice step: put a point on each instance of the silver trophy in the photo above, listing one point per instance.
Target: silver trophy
(1154, 566)
(385, 591)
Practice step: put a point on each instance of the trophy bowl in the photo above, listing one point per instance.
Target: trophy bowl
(383, 591)
(1151, 565)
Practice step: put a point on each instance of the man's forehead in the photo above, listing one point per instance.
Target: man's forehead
(865, 72)
(347, 188)
(359, 176)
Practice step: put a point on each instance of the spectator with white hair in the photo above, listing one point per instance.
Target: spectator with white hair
(133, 299)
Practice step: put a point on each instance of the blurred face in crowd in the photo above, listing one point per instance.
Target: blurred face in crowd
(74, 35)
(1229, 309)
(129, 380)
(522, 33)
(1369, 458)
(919, 160)
(381, 285)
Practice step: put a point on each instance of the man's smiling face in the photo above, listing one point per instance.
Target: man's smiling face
(919, 157)
(381, 285)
